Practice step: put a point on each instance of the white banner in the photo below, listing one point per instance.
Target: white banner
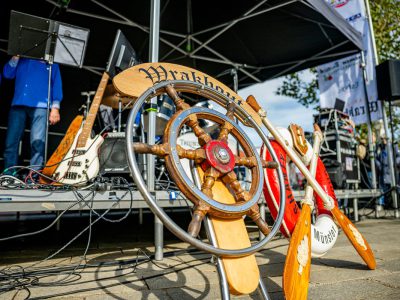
(343, 79)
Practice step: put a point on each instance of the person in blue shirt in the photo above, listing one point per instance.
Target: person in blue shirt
(30, 105)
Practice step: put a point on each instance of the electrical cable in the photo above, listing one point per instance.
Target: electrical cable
(2, 288)
(83, 257)
(32, 278)
(81, 198)
(45, 228)
(118, 199)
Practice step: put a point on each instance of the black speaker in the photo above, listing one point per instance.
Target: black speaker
(336, 174)
(388, 80)
(113, 158)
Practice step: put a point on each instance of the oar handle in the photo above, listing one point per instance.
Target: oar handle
(328, 201)
(313, 164)
(253, 103)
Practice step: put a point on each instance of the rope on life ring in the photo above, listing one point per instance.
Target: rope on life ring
(324, 231)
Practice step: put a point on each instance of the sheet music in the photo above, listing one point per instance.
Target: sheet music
(70, 45)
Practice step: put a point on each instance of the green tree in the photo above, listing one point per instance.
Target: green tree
(385, 16)
(306, 92)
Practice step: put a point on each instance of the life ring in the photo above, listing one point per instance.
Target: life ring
(324, 231)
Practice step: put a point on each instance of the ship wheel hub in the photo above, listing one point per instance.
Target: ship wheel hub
(222, 155)
(219, 156)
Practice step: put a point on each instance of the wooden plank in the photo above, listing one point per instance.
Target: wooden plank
(242, 273)
(134, 81)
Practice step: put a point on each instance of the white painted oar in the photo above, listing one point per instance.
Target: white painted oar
(352, 233)
(296, 273)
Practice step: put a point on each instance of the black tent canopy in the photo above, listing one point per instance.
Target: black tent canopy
(261, 39)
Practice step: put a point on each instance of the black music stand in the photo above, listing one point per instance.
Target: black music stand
(48, 40)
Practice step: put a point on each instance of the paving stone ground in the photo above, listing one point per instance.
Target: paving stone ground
(340, 274)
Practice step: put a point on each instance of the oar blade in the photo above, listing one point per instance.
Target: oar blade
(296, 273)
(355, 237)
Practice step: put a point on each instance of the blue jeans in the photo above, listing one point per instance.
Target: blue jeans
(16, 125)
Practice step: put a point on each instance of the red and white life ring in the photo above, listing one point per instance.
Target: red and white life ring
(324, 232)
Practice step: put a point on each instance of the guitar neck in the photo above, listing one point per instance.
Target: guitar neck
(91, 116)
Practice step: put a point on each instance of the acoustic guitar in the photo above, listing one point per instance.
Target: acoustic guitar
(75, 160)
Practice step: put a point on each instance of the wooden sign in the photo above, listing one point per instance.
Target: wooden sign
(134, 81)
(242, 273)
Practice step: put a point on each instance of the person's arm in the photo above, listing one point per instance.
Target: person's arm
(56, 87)
(57, 95)
(10, 68)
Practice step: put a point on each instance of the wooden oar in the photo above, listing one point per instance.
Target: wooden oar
(296, 273)
(355, 237)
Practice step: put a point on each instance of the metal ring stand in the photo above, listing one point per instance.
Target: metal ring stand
(241, 113)
(211, 236)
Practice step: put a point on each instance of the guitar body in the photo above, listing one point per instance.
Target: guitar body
(80, 163)
(61, 150)
(76, 159)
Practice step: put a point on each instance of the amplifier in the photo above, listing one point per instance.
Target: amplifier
(336, 173)
(338, 152)
(333, 119)
(388, 80)
(112, 154)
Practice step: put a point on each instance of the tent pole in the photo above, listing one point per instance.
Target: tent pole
(153, 57)
(385, 122)
(391, 155)
(371, 149)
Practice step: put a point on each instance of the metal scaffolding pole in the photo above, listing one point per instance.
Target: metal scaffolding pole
(389, 147)
(153, 57)
(392, 157)
(371, 150)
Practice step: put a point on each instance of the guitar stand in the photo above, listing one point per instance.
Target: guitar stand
(225, 294)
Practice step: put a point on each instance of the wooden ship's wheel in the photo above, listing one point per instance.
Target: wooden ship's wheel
(218, 193)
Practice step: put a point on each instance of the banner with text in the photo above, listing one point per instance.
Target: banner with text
(342, 80)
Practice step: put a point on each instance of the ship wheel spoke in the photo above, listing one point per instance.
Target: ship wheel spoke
(210, 176)
(254, 214)
(179, 102)
(197, 155)
(193, 121)
(160, 150)
(240, 194)
(227, 127)
(251, 162)
(199, 213)
(202, 136)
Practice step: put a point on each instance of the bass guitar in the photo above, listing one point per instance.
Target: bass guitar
(75, 160)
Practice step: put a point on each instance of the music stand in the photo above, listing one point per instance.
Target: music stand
(54, 42)
(122, 55)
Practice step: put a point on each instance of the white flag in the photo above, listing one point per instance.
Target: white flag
(343, 79)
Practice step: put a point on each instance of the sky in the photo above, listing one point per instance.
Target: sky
(281, 110)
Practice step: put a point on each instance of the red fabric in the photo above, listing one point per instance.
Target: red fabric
(323, 179)
(292, 210)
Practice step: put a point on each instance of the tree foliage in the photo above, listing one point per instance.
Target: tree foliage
(385, 16)
(305, 92)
